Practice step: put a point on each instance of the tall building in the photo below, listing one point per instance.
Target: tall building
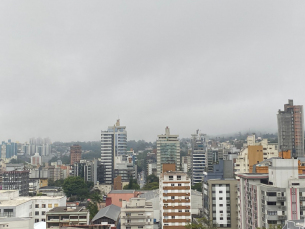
(36, 159)
(8, 149)
(168, 150)
(273, 197)
(75, 154)
(198, 157)
(220, 195)
(175, 199)
(113, 144)
(16, 180)
(291, 129)
(137, 213)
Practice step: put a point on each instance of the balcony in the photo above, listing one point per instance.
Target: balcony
(136, 223)
(281, 198)
(302, 207)
(271, 198)
(53, 219)
(302, 198)
(134, 217)
(282, 217)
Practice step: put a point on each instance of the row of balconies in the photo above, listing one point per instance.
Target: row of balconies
(137, 223)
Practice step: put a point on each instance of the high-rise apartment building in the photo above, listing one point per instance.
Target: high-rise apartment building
(198, 157)
(137, 213)
(273, 197)
(113, 144)
(291, 129)
(16, 180)
(168, 150)
(175, 199)
(75, 154)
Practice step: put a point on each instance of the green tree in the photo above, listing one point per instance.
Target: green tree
(198, 187)
(132, 185)
(93, 209)
(201, 223)
(151, 186)
(75, 186)
(152, 178)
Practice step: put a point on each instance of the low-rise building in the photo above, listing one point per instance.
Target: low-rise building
(63, 216)
(117, 196)
(137, 213)
(108, 216)
(17, 223)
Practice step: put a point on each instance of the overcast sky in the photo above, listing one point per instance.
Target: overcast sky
(69, 69)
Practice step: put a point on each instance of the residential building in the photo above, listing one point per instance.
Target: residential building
(273, 197)
(125, 169)
(168, 150)
(175, 199)
(36, 159)
(151, 168)
(117, 196)
(198, 157)
(113, 144)
(253, 153)
(294, 224)
(8, 149)
(220, 195)
(51, 191)
(186, 164)
(108, 216)
(213, 156)
(62, 216)
(291, 129)
(75, 154)
(13, 205)
(16, 180)
(137, 212)
(17, 223)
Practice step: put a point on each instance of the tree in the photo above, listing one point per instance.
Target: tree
(198, 187)
(132, 185)
(93, 209)
(152, 178)
(151, 186)
(75, 186)
(201, 223)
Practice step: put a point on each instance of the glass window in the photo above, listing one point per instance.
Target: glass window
(36, 205)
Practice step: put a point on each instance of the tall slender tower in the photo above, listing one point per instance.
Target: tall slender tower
(198, 156)
(75, 154)
(168, 150)
(113, 143)
(291, 129)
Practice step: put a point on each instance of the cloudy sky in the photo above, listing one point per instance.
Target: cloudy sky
(69, 69)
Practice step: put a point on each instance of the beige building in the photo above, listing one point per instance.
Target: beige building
(63, 216)
(175, 200)
(254, 152)
(137, 213)
(168, 150)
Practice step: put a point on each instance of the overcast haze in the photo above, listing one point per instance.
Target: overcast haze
(69, 69)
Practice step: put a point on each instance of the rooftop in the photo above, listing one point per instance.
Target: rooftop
(254, 175)
(65, 209)
(49, 187)
(111, 212)
(121, 191)
(13, 219)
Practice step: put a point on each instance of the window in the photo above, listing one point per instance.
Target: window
(36, 205)
(179, 184)
(173, 217)
(43, 206)
(172, 197)
(220, 211)
(49, 205)
(36, 213)
(172, 184)
(55, 205)
(220, 198)
(128, 214)
(36, 220)
(220, 191)
(179, 210)
(221, 218)
(220, 205)
(120, 200)
(43, 213)
(178, 177)
(170, 177)
(187, 210)
(43, 220)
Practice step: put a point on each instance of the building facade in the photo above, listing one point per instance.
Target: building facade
(291, 129)
(75, 154)
(175, 200)
(168, 150)
(271, 198)
(16, 180)
(137, 212)
(198, 157)
(113, 143)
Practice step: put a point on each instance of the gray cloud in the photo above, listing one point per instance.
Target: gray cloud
(69, 68)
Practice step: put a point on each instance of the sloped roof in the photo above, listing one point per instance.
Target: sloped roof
(111, 212)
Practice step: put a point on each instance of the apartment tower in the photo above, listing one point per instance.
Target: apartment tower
(291, 129)
(175, 198)
(113, 144)
(198, 157)
(75, 154)
(168, 150)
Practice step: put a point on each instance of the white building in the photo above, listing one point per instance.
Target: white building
(36, 159)
(198, 157)
(113, 143)
(175, 200)
(137, 212)
(11, 205)
(168, 150)
(17, 223)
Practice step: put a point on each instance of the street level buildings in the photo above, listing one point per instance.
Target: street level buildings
(291, 129)
(168, 150)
